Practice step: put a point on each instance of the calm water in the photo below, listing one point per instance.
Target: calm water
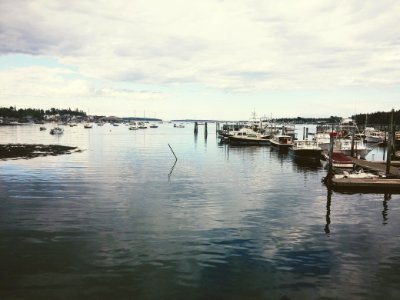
(120, 221)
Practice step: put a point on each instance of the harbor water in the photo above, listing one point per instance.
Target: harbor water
(122, 220)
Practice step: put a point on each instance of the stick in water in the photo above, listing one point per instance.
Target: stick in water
(172, 152)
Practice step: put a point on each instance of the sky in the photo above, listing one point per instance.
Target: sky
(208, 59)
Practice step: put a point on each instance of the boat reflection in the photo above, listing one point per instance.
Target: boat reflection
(328, 211)
(386, 198)
(301, 164)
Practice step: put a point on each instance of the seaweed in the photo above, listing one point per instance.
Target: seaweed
(26, 151)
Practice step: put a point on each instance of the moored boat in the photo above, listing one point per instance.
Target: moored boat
(243, 138)
(374, 136)
(282, 142)
(345, 146)
(306, 149)
(323, 140)
(340, 160)
(57, 130)
(133, 127)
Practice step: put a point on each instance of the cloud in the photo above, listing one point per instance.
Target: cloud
(62, 84)
(220, 44)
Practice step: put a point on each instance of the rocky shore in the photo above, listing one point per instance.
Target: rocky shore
(26, 151)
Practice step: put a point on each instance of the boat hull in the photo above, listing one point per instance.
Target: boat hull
(281, 146)
(246, 141)
(306, 153)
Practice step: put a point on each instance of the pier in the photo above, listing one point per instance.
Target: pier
(377, 166)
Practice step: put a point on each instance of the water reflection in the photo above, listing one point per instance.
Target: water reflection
(230, 223)
(328, 211)
(172, 169)
(306, 165)
(386, 198)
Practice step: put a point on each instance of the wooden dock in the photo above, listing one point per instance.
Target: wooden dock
(376, 166)
(366, 184)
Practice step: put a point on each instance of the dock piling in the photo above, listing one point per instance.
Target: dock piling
(389, 145)
(205, 130)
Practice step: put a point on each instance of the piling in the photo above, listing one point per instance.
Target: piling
(205, 130)
(389, 145)
(352, 144)
(304, 133)
(330, 167)
(196, 128)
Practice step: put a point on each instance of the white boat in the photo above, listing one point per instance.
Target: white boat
(153, 126)
(374, 136)
(142, 125)
(323, 140)
(88, 125)
(344, 146)
(57, 130)
(306, 149)
(133, 127)
(282, 142)
(247, 136)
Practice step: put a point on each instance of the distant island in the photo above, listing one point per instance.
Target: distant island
(141, 119)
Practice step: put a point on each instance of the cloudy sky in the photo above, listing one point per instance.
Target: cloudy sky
(201, 59)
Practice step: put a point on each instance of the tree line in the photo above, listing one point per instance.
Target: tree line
(301, 120)
(377, 118)
(38, 114)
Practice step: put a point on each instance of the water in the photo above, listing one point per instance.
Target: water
(121, 221)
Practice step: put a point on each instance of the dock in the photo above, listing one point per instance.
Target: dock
(366, 184)
(389, 184)
(377, 166)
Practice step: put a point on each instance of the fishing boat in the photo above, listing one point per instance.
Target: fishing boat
(56, 130)
(42, 128)
(306, 149)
